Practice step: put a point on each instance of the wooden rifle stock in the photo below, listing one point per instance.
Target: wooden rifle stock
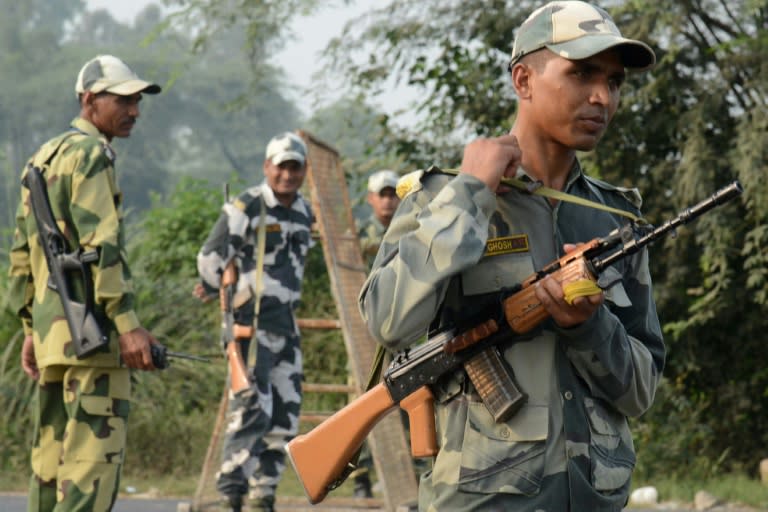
(238, 371)
(322, 464)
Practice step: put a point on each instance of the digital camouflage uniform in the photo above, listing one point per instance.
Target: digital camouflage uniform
(262, 419)
(451, 248)
(83, 405)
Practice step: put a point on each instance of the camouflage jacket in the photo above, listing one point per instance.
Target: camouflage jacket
(370, 234)
(288, 238)
(87, 204)
(451, 248)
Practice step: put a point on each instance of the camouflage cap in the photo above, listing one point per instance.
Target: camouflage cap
(286, 146)
(110, 74)
(577, 30)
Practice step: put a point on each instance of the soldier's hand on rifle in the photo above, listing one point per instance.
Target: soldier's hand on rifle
(134, 349)
(550, 293)
(491, 159)
(199, 292)
(28, 359)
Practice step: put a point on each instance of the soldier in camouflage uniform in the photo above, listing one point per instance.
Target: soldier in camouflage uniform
(265, 417)
(384, 201)
(456, 242)
(83, 404)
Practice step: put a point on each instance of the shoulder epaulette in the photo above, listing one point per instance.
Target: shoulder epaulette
(632, 195)
(412, 182)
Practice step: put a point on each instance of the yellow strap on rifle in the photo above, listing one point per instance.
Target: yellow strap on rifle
(580, 288)
(536, 188)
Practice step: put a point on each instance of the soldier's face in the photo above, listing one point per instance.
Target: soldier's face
(113, 115)
(572, 101)
(285, 179)
(384, 204)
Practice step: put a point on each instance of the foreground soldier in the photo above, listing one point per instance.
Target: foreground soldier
(265, 417)
(83, 404)
(456, 242)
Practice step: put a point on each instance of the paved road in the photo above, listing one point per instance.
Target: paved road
(18, 503)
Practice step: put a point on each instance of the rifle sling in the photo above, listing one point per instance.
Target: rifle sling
(261, 244)
(536, 188)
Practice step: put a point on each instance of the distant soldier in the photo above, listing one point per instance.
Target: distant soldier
(262, 421)
(383, 199)
(83, 403)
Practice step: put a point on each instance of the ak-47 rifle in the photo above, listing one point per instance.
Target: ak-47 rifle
(67, 268)
(232, 332)
(321, 457)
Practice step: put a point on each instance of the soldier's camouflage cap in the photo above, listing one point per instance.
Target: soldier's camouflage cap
(110, 74)
(577, 30)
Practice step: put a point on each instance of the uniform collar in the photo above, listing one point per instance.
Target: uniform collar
(271, 201)
(574, 174)
(87, 128)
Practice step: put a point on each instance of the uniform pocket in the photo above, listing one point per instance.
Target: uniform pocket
(503, 458)
(611, 450)
(98, 434)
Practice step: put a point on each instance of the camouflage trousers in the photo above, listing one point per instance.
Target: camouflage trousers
(79, 438)
(262, 419)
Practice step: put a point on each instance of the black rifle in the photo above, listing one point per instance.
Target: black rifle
(66, 267)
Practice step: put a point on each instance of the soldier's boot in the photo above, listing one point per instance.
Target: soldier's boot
(233, 503)
(262, 504)
(363, 486)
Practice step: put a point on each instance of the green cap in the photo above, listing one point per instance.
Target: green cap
(577, 30)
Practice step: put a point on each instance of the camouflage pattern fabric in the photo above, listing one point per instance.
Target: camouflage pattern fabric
(79, 442)
(577, 30)
(83, 403)
(370, 234)
(450, 250)
(87, 204)
(288, 239)
(263, 418)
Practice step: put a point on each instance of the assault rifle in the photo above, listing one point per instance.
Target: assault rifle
(231, 332)
(68, 269)
(321, 458)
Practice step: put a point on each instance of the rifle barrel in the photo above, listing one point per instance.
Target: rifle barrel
(722, 196)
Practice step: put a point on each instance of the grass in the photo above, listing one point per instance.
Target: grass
(733, 488)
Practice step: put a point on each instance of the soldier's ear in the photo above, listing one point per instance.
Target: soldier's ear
(521, 79)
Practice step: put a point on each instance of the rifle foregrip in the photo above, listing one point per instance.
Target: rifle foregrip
(420, 406)
(495, 382)
(524, 311)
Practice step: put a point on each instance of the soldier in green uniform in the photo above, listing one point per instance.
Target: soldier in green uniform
(383, 199)
(83, 404)
(457, 241)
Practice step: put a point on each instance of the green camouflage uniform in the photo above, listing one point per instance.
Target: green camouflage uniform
(370, 234)
(265, 417)
(83, 405)
(451, 248)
